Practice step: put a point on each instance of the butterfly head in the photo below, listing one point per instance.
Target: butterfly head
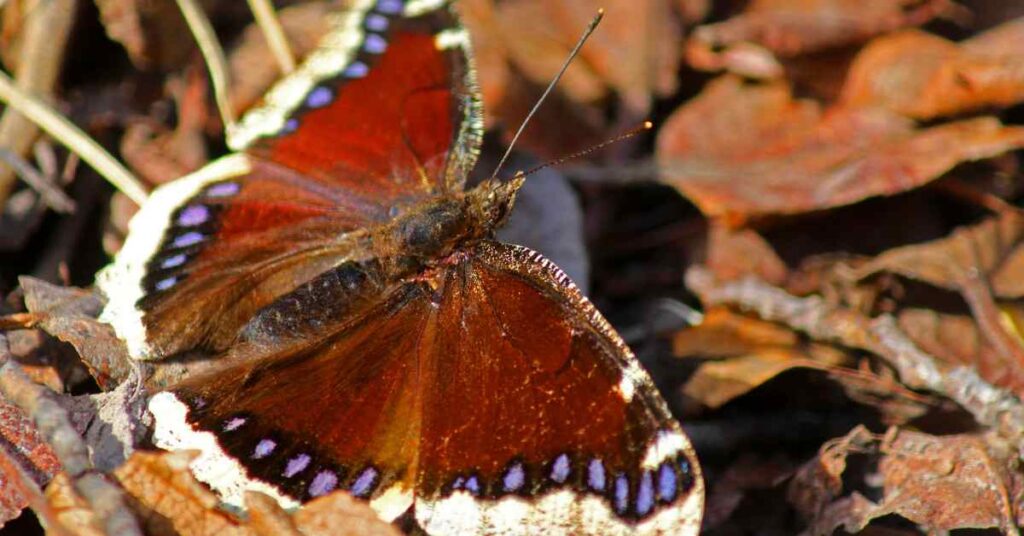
(490, 203)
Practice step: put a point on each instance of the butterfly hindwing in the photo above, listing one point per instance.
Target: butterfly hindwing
(382, 116)
(486, 393)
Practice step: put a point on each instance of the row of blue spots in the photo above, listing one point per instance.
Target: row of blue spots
(192, 215)
(653, 486)
(374, 43)
(323, 482)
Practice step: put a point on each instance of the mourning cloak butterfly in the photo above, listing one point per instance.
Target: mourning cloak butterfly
(368, 334)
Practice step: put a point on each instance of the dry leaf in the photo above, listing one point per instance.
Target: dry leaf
(956, 340)
(734, 253)
(752, 351)
(924, 76)
(787, 28)
(746, 150)
(944, 483)
(991, 249)
(69, 314)
(169, 501)
(634, 53)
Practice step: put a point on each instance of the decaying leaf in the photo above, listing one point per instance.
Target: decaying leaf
(921, 75)
(940, 482)
(786, 28)
(746, 150)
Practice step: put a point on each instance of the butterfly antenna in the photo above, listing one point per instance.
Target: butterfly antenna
(572, 55)
(647, 125)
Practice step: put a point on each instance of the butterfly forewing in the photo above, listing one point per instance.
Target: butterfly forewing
(383, 115)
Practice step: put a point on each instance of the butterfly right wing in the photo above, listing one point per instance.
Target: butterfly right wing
(486, 393)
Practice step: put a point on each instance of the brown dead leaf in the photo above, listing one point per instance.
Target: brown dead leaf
(69, 314)
(746, 150)
(787, 28)
(945, 483)
(924, 76)
(339, 514)
(734, 253)
(170, 501)
(634, 53)
(957, 340)
(752, 352)
(990, 249)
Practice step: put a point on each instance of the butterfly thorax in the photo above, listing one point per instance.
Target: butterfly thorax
(427, 233)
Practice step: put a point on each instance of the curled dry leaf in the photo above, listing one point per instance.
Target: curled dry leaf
(747, 150)
(752, 351)
(921, 477)
(786, 28)
(69, 314)
(992, 249)
(924, 76)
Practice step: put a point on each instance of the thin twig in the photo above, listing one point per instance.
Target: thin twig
(71, 137)
(216, 63)
(990, 405)
(106, 500)
(46, 29)
(53, 196)
(272, 30)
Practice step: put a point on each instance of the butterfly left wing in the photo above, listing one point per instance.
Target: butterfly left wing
(382, 116)
(485, 392)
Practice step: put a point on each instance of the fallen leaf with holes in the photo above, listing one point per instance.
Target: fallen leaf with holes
(750, 352)
(920, 477)
(25, 455)
(169, 501)
(923, 76)
(767, 29)
(748, 150)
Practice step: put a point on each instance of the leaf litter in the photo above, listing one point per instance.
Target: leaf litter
(826, 110)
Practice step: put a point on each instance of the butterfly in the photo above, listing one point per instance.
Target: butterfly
(366, 332)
